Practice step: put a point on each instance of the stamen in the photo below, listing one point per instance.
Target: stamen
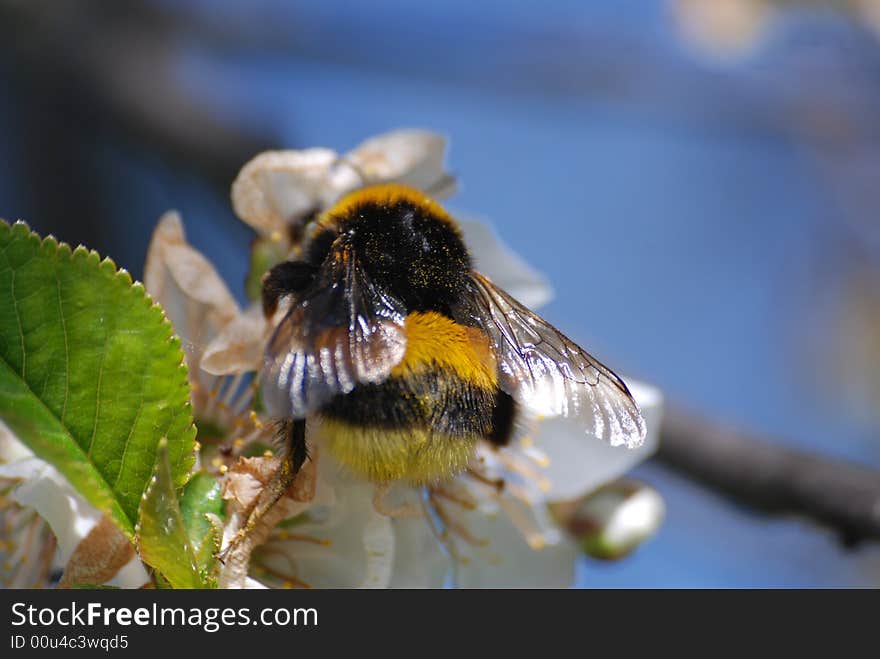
(300, 537)
(533, 536)
(495, 483)
(461, 499)
(526, 470)
(455, 527)
(287, 580)
(537, 456)
(240, 442)
(214, 388)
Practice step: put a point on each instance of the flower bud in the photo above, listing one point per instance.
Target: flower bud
(613, 520)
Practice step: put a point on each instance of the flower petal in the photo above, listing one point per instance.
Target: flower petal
(239, 346)
(11, 449)
(507, 560)
(577, 463)
(420, 561)
(504, 266)
(278, 187)
(99, 556)
(45, 490)
(408, 156)
(184, 282)
(340, 541)
(71, 519)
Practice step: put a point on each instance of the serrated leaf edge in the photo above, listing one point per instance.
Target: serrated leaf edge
(21, 229)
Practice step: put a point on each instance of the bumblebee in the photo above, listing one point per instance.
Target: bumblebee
(401, 357)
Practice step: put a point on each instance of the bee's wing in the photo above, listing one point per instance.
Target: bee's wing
(548, 373)
(344, 332)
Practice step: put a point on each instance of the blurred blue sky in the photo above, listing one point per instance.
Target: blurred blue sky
(681, 206)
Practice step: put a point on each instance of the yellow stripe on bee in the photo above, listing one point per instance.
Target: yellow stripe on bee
(386, 194)
(435, 341)
(382, 455)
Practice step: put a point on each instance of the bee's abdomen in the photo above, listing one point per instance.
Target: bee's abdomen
(423, 422)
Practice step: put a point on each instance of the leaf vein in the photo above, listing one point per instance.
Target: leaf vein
(66, 350)
(17, 318)
(97, 398)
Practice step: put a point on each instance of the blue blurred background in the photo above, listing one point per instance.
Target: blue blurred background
(700, 180)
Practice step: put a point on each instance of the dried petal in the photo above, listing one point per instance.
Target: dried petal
(188, 287)
(411, 157)
(98, 557)
(239, 346)
(245, 482)
(278, 187)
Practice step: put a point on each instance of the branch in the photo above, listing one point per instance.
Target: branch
(774, 478)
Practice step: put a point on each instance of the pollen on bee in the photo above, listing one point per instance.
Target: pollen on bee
(223, 469)
(267, 453)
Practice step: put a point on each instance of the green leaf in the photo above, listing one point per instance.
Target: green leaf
(162, 537)
(202, 497)
(90, 375)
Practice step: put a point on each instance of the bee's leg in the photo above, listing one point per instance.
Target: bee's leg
(293, 434)
(284, 279)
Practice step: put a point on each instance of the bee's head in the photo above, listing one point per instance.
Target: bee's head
(405, 241)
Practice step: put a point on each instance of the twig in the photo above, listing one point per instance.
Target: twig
(774, 478)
